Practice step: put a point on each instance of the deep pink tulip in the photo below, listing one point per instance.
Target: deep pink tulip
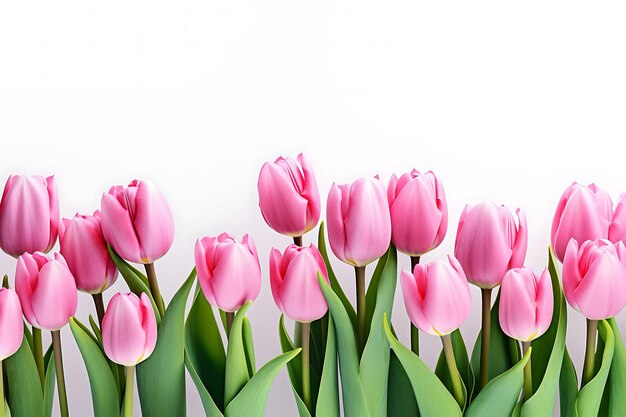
(359, 224)
(29, 215)
(137, 222)
(489, 243)
(419, 212)
(129, 329)
(594, 277)
(85, 251)
(288, 196)
(436, 296)
(583, 213)
(47, 290)
(295, 287)
(617, 230)
(526, 304)
(11, 323)
(229, 271)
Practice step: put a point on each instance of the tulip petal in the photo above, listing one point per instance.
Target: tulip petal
(148, 323)
(300, 293)
(276, 278)
(123, 335)
(118, 229)
(545, 302)
(54, 299)
(518, 305)
(153, 222)
(236, 278)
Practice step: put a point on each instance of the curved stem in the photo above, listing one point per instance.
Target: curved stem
(360, 306)
(58, 365)
(154, 288)
(38, 352)
(306, 378)
(129, 391)
(485, 334)
(297, 240)
(99, 303)
(590, 352)
(415, 334)
(229, 322)
(528, 373)
(455, 378)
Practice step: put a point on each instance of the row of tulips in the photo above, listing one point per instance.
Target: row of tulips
(367, 222)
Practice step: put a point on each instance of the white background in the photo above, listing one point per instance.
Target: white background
(504, 101)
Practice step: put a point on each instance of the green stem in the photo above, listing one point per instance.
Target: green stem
(360, 306)
(1, 391)
(455, 378)
(38, 352)
(306, 378)
(229, 322)
(129, 391)
(97, 300)
(415, 334)
(485, 334)
(590, 352)
(297, 240)
(154, 288)
(58, 365)
(528, 373)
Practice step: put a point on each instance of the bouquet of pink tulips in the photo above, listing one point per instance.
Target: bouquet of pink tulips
(336, 351)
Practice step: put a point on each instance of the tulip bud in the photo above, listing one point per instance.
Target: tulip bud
(359, 224)
(229, 272)
(594, 277)
(436, 296)
(129, 329)
(29, 215)
(583, 213)
(11, 324)
(617, 230)
(85, 251)
(295, 287)
(46, 289)
(526, 304)
(489, 243)
(288, 196)
(419, 213)
(137, 222)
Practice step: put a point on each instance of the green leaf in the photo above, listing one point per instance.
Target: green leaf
(25, 395)
(617, 375)
(328, 395)
(590, 396)
(294, 367)
(334, 283)
(433, 398)
(568, 387)
(49, 382)
(354, 403)
(205, 350)
(161, 377)
(374, 367)
(548, 353)
(462, 364)
(499, 397)
(104, 393)
(401, 401)
(210, 408)
(248, 345)
(96, 329)
(372, 291)
(237, 373)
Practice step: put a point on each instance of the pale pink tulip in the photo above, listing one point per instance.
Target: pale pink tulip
(489, 243)
(359, 224)
(594, 277)
(436, 296)
(46, 289)
(11, 323)
(419, 212)
(295, 287)
(288, 196)
(229, 271)
(129, 329)
(526, 304)
(137, 222)
(29, 215)
(617, 230)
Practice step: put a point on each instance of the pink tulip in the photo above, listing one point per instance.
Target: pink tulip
(46, 289)
(489, 243)
(29, 215)
(617, 230)
(594, 277)
(137, 222)
(359, 224)
(436, 296)
(85, 251)
(583, 213)
(526, 304)
(11, 324)
(419, 213)
(229, 271)
(295, 286)
(288, 196)
(129, 329)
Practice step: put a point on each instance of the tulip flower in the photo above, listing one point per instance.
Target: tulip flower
(419, 212)
(11, 324)
(129, 335)
(583, 213)
(617, 229)
(594, 283)
(29, 215)
(437, 299)
(137, 222)
(288, 196)
(49, 298)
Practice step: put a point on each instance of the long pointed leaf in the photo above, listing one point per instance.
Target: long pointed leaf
(401, 401)
(237, 374)
(210, 408)
(49, 383)
(568, 387)
(328, 396)
(25, 395)
(617, 375)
